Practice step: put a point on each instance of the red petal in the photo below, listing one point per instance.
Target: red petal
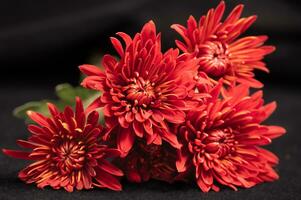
(107, 180)
(91, 70)
(38, 118)
(134, 176)
(148, 127)
(207, 177)
(157, 140)
(53, 109)
(112, 153)
(181, 162)
(151, 138)
(27, 144)
(94, 105)
(17, 154)
(79, 108)
(107, 110)
(269, 156)
(126, 38)
(202, 185)
(234, 15)
(108, 167)
(157, 116)
(35, 129)
(138, 129)
(125, 140)
(139, 117)
(123, 122)
(269, 109)
(68, 112)
(93, 82)
(219, 11)
(93, 118)
(109, 62)
(171, 139)
(181, 45)
(176, 117)
(250, 82)
(117, 45)
(129, 117)
(275, 131)
(68, 188)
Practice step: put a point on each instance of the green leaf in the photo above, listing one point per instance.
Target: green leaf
(66, 96)
(37, 106)
(65, 92)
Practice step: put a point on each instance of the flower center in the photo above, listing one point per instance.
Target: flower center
(140, 92)
(69, 156)
(217, 143)
(214, 58)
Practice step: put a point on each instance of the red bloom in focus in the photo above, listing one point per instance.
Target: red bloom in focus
(152, 161)
(66, 152)
(221, 141)
(144, 90)
(222, 55)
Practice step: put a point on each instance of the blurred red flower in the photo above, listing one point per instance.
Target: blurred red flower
(142, 91)
(222, 55)
(222, 138)
(152, 161)
(66, 151)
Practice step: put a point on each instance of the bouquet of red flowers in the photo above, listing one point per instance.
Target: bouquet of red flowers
(181, 115)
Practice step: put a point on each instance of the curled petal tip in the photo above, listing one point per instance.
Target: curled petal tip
(29, 112)
(221, 4)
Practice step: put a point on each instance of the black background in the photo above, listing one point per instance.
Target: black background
(43, 42)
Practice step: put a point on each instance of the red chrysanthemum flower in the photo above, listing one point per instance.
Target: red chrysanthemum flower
(222, 55)
(144, 90)
(152, 161)
(66, 151)
(221, 141)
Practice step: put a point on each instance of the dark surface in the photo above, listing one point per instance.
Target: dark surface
(43, 42)
(287, 147)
